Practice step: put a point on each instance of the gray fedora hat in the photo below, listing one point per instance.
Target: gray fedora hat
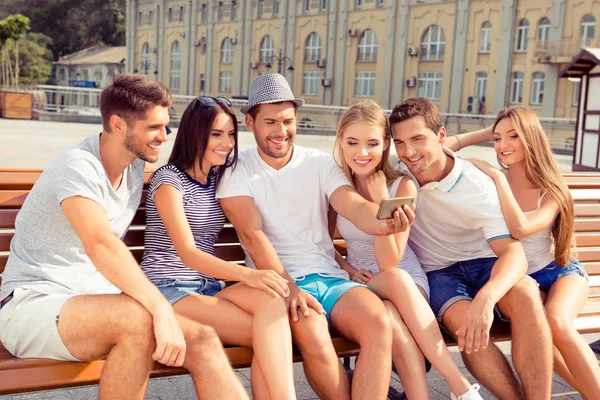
(270, 88)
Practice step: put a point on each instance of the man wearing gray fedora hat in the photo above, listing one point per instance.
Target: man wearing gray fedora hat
(277, 198)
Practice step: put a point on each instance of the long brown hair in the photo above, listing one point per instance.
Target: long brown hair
(370, 113)
(542, 171)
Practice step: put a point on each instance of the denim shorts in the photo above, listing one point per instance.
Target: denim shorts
(460, 281)
(175, 289)
(546, 276)
(326, 289)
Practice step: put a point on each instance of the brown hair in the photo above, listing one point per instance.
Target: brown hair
(542, 171)
(253, 112)
(130, 96)
(414, 107)
(371, 114)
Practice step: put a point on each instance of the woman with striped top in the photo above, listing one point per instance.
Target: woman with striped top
(386, 263)
(183, 221)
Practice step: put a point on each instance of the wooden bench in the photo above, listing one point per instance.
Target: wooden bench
(22, 375)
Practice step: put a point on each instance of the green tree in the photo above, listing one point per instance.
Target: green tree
(12, 29)
(36, 58)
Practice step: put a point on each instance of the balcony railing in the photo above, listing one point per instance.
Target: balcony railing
(561, 51)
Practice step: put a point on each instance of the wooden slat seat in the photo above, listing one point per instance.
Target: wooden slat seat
(20, 375)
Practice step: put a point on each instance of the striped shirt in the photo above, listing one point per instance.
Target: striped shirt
(203, 213)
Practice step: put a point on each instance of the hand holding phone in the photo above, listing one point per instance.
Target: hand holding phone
(389, 205)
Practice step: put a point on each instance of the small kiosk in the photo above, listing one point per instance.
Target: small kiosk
(586, 67)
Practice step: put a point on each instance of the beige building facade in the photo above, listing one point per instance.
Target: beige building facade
(467, 56)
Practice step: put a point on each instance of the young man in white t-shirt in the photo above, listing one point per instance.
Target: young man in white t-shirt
(472, 262)
(72, 290)
(277, 199)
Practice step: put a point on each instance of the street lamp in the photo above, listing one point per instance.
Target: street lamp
(280, 62)
(146, 66)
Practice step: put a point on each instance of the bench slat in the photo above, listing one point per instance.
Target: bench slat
(587, 209)
(587, 225)
(589, 240)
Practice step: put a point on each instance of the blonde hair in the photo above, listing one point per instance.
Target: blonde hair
(542, 171)
(371, 114)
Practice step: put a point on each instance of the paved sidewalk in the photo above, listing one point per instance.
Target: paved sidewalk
(181, 387)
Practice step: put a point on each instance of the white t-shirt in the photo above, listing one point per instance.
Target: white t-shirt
(292, 203)
(457, 217)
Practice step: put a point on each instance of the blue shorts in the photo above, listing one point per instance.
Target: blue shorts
(546, 276)
(326, 289)
(460, 281)
(175, 290)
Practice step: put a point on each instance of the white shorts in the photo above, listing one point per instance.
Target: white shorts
(28, 325)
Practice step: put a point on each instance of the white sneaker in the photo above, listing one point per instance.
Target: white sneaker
(471, 394)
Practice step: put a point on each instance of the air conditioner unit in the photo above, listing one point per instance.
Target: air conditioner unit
(352, 32)
(234, 40)
(326, 82)
(320, 63)
(253, 65)
(412, 51)
(198, 43)
(154, 50)
(411, 82)
(182, 34)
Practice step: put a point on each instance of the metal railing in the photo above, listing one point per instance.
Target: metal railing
(312, 119)
(566, 48)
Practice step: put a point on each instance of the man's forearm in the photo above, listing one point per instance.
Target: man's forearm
(114, 260)
(507, 271)
(262, 253)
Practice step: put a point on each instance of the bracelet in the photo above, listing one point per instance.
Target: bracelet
(459, 143)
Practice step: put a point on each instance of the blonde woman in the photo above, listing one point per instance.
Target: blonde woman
(539, 211)
(386, 263)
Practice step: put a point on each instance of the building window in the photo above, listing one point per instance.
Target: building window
(202, 83)
(537, 88)
(522, 32)
(380, 3)
(275, 7)
(588, 29)
(139, 19)
(227, 51)
(312, 81)
(181, 13)
(365, 84)
(151, 17)
(323, 6)
(543, 34)
(430, 85)
(170, 17)
(485, 39)
(145, 59)
(220, 11)
(267, 49)
(203, 13)
(225, 82)
(576, 93)
(98, 78)
(358, 4)
(233, 10)
(175, 72)
(61, 74)
(433, 44)
(367, 46)
(516, 86)
(305, 6)
(260, 8)
(313, 47)
(481, 86)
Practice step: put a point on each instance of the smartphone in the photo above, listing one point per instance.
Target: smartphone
(388, 206)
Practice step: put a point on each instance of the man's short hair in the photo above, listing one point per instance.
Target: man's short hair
(130, 96)
(414, 107)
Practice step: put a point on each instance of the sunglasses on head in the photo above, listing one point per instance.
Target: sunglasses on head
(209, 101)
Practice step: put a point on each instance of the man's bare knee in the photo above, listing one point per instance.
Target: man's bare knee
(311, 335)
(453, 316)
(522, 299)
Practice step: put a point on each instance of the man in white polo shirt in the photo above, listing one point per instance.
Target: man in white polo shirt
(277, 199)
(473, 264)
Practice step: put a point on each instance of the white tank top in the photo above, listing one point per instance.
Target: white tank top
(539, 247)
(361, 246)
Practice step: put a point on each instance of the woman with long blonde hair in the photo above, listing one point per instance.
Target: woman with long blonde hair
(386, 263)
(538, 209)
